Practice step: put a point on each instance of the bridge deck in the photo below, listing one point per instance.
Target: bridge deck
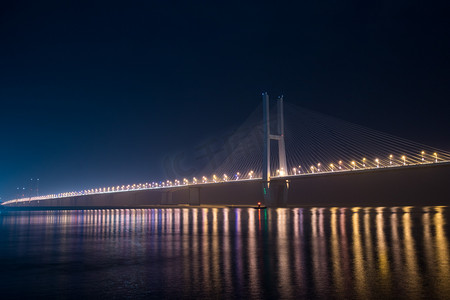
(393, 186)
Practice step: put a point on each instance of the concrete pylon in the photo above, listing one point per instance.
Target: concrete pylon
(269, 200)
(280, 138)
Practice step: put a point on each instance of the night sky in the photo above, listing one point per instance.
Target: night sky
(97, 93)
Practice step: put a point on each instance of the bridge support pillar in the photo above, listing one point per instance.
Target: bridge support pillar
(266, 158)
(194, 196)
(166, 197)
(269, 197)
(278, 193)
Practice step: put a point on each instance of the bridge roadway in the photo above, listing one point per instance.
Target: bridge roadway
(390, 186)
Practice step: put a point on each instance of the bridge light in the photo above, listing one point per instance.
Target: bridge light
(332, 167)
(378, 162)
(318, 167)
(390, 159)
(435, 157)
(294, 171)
(364, 162)
(312, 169)
(354, 165)
(340, 164)
(404, 160)
(423, 153)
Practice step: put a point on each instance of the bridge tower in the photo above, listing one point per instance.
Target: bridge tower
(279, 137)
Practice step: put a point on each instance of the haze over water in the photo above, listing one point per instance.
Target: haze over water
(226, 253)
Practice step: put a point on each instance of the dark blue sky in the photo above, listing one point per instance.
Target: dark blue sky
(99, 92)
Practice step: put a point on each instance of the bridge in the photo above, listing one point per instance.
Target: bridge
(406, 174)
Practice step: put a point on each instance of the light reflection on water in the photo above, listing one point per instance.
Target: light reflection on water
(227, 253)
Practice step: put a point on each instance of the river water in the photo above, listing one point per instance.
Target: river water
(198, 253)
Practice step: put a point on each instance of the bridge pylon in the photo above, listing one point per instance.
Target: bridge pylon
(279, 137)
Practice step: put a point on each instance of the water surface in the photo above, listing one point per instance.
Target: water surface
(226, 253)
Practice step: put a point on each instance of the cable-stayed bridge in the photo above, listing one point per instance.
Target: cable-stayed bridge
(289, 157)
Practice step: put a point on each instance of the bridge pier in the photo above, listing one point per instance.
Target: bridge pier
(277, 193)
(194, 196)
(166, 197)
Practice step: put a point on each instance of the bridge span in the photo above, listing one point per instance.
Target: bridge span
(392, 186)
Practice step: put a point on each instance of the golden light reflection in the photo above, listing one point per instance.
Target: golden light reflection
(345, 250)
(205, 251)
(358, 259)
(239, 246)
(368, 246)
(336, 257)
(442, 253)
(284, 278)
(299, 259)
(195, 254)
(382, 254)
(186, 247)
(215, 250)
(226, 241)
(252, 253)
(319, 252)
(413, 278)
(395, 242)
(429, 243)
